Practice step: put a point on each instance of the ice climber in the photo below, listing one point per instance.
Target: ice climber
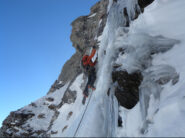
(88, 67)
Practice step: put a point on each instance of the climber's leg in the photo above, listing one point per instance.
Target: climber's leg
(92, 80)
(86, 93)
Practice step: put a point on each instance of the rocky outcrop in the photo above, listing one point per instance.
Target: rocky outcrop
(71, 68)
(69, 97)
(144, 3)
(87, 28)
(14, 122)
(127, 87)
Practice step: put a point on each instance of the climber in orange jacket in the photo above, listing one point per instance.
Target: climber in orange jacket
(89, 69)
(87, 60)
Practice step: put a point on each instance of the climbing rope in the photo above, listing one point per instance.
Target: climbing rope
(83, 115)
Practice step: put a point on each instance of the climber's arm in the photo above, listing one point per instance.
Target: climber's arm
(93, 63)
(92, 55)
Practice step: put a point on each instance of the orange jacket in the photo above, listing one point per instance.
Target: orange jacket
(87, 59)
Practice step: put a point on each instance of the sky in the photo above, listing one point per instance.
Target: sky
(34, 45)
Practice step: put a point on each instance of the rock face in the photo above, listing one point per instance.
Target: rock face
(14, 122)
(69, 97)
(127, 89)
(85, 31)
(144, 3)
(87, 28)
(70, 70)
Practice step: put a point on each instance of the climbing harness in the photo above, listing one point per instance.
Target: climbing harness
(83, 115)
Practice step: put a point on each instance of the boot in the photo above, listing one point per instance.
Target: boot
(84, 99)
(85, 94)
(92, 87)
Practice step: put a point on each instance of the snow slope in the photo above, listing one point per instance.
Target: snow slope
(65, 120)
(42, 114)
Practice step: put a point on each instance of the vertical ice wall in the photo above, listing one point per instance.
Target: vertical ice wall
(101, 117)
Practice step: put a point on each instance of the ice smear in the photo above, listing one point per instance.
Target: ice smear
(162, 103)
(151, 88)
(138, 48)
(102, 112)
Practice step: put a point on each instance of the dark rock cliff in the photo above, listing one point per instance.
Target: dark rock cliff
(127, 90)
